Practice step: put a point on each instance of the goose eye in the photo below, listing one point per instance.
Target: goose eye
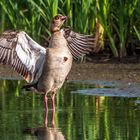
(57, 17)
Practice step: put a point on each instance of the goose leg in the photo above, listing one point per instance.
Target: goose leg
(53, 107)
(46, 110)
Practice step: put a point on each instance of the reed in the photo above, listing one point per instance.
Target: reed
(123, 23)
(137, 32)
(136, 20)
(104, 16)
(118, 19)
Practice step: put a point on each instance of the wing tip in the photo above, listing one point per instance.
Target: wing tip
(28, 78)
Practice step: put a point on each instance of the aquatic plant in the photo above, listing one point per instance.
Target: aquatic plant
(118, 20)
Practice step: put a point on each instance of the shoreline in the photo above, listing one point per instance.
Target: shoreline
(91, 71)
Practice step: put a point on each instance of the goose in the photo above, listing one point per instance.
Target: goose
(44, 68)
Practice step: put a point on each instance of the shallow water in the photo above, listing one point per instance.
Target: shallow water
(85, 110)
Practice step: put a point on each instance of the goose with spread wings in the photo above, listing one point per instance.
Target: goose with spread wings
(45, 68)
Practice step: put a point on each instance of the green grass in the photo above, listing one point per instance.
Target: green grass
(119, 19)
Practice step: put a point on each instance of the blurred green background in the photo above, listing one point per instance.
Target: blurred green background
(119, 20)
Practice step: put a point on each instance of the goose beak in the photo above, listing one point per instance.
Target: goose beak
(63, 18)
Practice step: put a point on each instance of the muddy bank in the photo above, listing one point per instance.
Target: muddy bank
(92, 71)
(96, 71)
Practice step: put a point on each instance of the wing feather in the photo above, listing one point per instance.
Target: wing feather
(22, 53)
(78, 44)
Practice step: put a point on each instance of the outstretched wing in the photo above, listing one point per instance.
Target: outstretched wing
(26, 56)
(78, 44)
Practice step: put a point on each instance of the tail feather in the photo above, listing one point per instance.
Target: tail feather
(31, 87)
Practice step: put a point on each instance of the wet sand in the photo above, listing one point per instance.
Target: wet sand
(92, 71)
(106, 71)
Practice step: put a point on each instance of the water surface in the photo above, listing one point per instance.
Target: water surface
(84, 111)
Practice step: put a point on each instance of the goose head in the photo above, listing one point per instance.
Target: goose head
(57, 22)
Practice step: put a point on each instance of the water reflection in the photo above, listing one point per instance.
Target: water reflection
(107, 88)
(78, 117)
(45, 133)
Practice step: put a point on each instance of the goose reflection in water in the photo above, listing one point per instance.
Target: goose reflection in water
(46, 133)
